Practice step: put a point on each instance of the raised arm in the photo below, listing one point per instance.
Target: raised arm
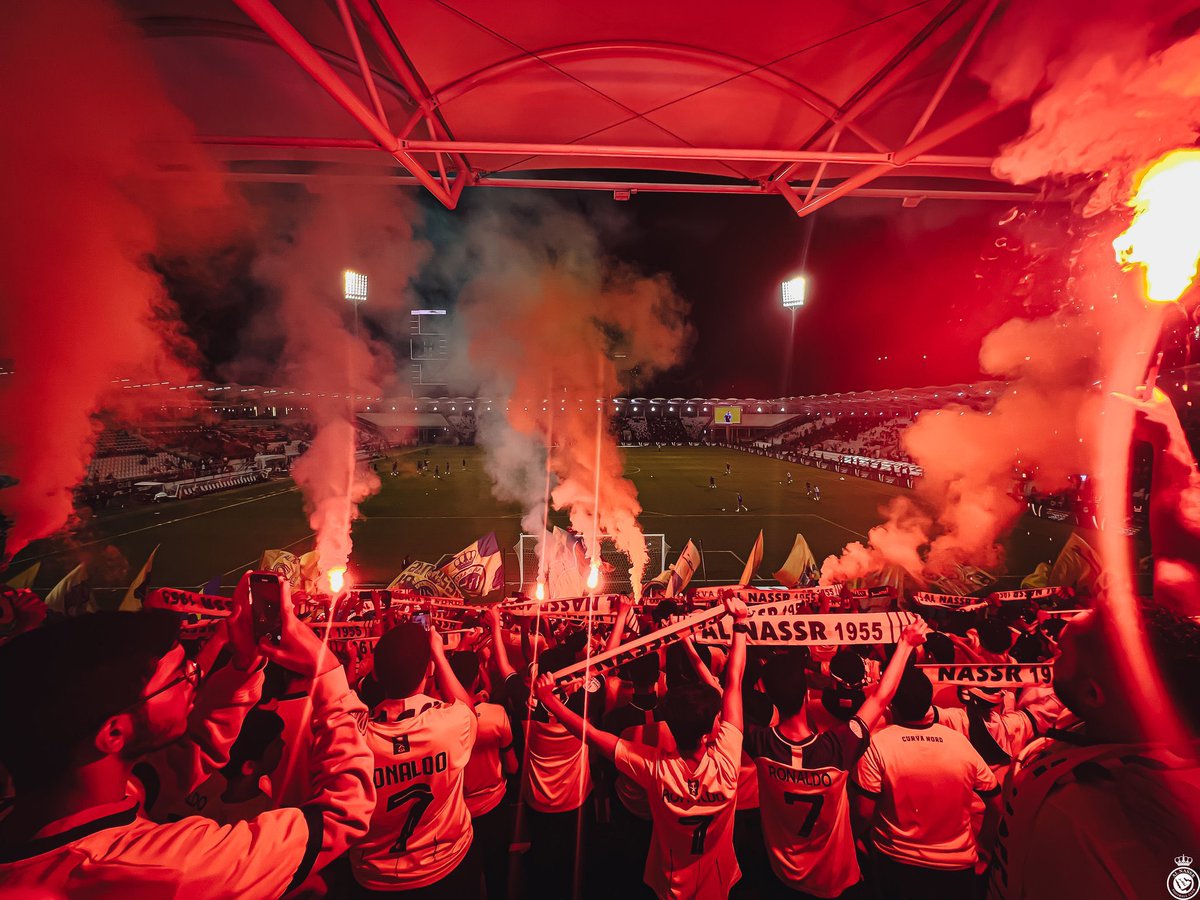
(448, 682)
(602, 740)
(612, 686)
(702, 671)
(624, 611)
(873, 707)
(224, 698)
(735, 666)
(499, 651)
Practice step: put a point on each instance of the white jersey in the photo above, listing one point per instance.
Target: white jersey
(691, 847)
(805, 809)
(421, 829)
(924, 777)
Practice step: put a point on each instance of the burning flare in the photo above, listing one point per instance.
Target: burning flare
(1165, 235)
(539, 592)
(593, 579)
(337, 578)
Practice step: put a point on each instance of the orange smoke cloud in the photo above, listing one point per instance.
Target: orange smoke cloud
(314, 351)
(555, 330)
(89, 127)
(1113, 89)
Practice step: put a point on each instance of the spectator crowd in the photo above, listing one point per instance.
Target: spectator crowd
(139, 761)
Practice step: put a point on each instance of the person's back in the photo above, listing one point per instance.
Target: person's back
(1123, 809)
(691, 789)
(803, 772)
(421, 829)
(557, 777)
(639, 721)
(692, 806)
(923, 777)
(802, 788)
(483, 779)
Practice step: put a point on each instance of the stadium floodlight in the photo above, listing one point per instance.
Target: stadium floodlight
(793, 291)
(356, 287)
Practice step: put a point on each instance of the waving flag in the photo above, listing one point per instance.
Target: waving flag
(756, 554)
(24, 580)
(658, 584)
(566, 564)
(282, 562)
(73, 595)
(137, 590)
(425, 579)
(479, 568)
(1077, 566)
(683, 570)
(800, 565)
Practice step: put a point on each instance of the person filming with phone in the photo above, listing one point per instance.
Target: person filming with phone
(104, 714)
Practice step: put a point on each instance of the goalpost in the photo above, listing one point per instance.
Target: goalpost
(616, 581)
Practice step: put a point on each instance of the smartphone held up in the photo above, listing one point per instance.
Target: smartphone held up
(266, 605)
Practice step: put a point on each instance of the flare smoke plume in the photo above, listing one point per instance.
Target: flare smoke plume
(553, 330)
(82, 308)
(1117, 91)
(316, 353)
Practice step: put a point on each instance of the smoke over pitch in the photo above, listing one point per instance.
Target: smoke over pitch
(1115, 93)
(553, 329)
(81, 306)
(306, 343)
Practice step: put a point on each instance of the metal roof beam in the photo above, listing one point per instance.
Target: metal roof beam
(952, 70)
(269, 19)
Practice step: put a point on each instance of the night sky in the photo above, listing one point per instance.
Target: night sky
(898, 297)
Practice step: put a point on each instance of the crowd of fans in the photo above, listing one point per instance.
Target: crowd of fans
(445, 767)
(126, 464)
(138, 762)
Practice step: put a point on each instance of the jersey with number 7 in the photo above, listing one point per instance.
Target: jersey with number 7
(805, 810)
(692, 809)
(421, 829)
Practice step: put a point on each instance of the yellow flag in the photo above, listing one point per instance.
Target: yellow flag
(658, 583)
(800, 563)
(310, 571)
(71, 596)
(752, 563)
(1038, 577)
(24, 581)
(282, 562)
(1077, 565)
(137, 589)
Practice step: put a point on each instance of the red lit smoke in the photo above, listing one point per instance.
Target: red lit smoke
(1116, 91)
(89, 125)
(553, 330)
(321, 362)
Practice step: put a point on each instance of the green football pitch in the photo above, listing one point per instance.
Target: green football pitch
(429, 518)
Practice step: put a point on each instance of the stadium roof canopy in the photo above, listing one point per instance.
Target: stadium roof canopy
(806, 100)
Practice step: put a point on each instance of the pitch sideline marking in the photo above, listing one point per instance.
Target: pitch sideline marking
(113, 537)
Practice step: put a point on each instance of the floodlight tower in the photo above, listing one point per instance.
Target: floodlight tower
(356, 292)
(792, 292)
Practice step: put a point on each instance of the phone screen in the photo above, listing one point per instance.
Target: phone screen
(421, 619)
(266, 598)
